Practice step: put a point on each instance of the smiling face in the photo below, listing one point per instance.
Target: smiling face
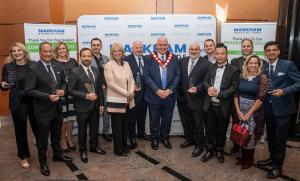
(221, 55)
(62, 51)
(86, 57)
(137, 48)
(96, 47)
(17, 53)
(194, 50)
(117, 53)
(272, 52)
(209, 47)
(162, 45)
(46, 53)
(247, 48)
(253, 65)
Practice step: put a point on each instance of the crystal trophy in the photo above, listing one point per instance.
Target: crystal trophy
(89, 87)
(191, 82)
(138, 81)
(11, 77)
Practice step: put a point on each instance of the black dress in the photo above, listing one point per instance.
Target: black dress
(67, 101)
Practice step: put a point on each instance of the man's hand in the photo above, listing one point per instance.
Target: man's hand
(91, 96)
(277, 92)
(54, 98)
(192, 90)
(101, 110)
(162, 93)
(136, 89)
(60, 92)
(213, 92)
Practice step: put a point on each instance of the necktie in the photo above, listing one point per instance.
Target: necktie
(51, 74)
(164, 75)
(90, 75)
(191, 66)
(272, 72)
(140, 65)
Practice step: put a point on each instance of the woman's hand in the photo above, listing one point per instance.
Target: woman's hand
(241, 116)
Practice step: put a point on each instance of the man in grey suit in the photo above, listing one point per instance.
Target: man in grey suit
(98, 61)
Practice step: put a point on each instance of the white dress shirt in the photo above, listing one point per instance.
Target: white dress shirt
(51, 68)
(190, 63)
(218, 81)
(165, 58)
(85, 68)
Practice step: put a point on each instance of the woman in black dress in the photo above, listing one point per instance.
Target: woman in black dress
(13, 79)
(61, 53)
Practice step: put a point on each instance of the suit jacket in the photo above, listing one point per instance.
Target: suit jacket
(139, 95)
(39, 86)
(79, 91)
(239, 62)
(287, 78)
(152, 78)
(194, 101)
(229, 86)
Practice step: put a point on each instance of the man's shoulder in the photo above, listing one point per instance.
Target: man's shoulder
(236, 60)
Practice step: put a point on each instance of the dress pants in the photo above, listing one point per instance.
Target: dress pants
(84, 119)
(216, 125)
(277, 133)
(105, 117)
(137, 118)
(187, 123)
(161, 119)
(45, 125)
(19, 117)
(119, 124)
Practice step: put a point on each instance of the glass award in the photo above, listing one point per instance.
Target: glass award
(191, 82)
(89, 87)
(11, 77)
(138, 81)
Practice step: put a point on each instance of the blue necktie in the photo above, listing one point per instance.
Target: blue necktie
(272, 72)
(164, 75)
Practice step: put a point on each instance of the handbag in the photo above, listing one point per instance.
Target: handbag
(240, 134)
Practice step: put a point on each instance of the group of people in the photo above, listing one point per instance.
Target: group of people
(57, 90)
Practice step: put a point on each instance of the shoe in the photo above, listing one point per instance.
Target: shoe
(207, 156)
(71, 148)
(267, 162)
(133, 144)
(154, 145)
(24, 163)
(144, 136)
(220, 157)
(167, 143)
(107, 137)
(241, 160)
(121, 154)
(83, 157)
(234, 149)
(62, 158)
(97, 150)
(197, 151)
(44, 169)
(187, 143)
(274, 173)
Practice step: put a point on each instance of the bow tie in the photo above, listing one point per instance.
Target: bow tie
(221, 66)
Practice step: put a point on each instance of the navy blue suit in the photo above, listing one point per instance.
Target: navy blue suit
(137, 115)
(278, 110)
(160, 109)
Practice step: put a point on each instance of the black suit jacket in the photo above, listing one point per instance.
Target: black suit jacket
(139, 95)
(239, 62)
(229, 86)
(78, 90)
(39, 86)
(194, 101)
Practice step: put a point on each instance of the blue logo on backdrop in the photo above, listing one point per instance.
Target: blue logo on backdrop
(181, 26)
(46, 30)
(203, 34)
(158, 18)
(135, 26)
(111, 34)
(204, 18)
(111, 18)
(148, 48)
(88, 26)
(240, 30)
(157, 34)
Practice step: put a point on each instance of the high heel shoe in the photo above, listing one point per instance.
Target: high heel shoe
(24, 163)
(72, 148)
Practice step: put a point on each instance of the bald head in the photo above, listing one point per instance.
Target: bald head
(137, 48)
(162, 45)
(194, 50)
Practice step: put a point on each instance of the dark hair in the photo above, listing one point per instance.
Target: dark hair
(84, 49)
(271, 43)
(221, 45)
(247, 39)
(96, 39)
(44, 43)
(209, 40)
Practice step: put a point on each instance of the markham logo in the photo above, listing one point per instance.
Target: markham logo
(247, 30)
(111, 18)
(88, 26)
(86, 42)
(111, 34)
(181, 26)
(157, 34)
(203, 34)
(50, 31)
(159, 18)
(204, 18)
(135, 26)
(148, 48)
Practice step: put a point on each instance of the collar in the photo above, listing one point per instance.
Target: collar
(137, 57)
(45, 64)
(85, 68)
(160, 55)
(274, 63)
(221, 65)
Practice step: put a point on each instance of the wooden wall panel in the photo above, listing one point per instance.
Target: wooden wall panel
(164, 7)
(4, 111)
(19, 11)
(76, 8)
(10, 34)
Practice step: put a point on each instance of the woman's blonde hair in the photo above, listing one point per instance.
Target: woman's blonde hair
(245, 73)
(115, 46)
(57, 47)
(10, 58)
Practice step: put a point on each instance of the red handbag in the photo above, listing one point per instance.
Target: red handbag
(240, 134)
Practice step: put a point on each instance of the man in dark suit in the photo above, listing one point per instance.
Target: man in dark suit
(137, 115)
(284, 79)
(161, 76)
(44, 84)
(209, 48)
(190, 99)
(85, 86)
(221, 83)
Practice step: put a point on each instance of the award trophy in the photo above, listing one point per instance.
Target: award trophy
(191, 82)
(11, 77)
(138, 81)
(89, 87)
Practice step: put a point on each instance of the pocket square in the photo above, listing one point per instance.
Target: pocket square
(280, 74)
